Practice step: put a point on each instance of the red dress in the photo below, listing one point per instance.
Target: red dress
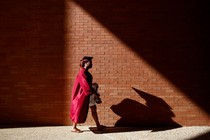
(80, 96)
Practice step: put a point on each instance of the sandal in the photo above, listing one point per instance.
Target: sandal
(76, 130)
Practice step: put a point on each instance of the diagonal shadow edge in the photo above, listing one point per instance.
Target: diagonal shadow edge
(172, 39)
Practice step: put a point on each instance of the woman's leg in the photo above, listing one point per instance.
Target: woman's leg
(74, 125)
(75, 129)
(95, 116)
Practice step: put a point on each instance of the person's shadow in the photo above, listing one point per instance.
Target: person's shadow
(156, 115)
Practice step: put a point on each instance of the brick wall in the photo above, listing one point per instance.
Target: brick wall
(150, 61)
(32, 85)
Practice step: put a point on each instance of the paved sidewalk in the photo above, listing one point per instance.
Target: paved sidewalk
(110, 133)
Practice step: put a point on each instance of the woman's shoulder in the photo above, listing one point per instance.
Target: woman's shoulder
(82, 72)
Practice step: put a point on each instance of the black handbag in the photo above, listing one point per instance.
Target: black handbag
(98, 99)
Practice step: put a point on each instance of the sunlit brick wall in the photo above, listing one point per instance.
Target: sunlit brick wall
(140, 73)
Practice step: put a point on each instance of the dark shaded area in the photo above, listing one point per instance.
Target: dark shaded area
(172, 36)
(205, 136)
(156, 113)
(117, 129)
(32, 62)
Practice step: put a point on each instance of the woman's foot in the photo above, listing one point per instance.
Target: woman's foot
(76, 130)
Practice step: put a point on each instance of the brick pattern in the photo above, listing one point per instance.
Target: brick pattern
(166, 91)
(142, 81)
(32, 67)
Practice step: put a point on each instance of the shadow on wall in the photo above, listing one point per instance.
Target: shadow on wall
(171, 36)
(156, 113)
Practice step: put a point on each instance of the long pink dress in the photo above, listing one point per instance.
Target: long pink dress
(80, 96)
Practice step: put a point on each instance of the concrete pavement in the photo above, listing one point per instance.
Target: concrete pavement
(110, 133)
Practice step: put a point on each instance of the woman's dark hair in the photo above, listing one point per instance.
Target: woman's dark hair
(84, 60)
(82, 63)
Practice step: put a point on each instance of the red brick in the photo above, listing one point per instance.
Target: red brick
(41, 48)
